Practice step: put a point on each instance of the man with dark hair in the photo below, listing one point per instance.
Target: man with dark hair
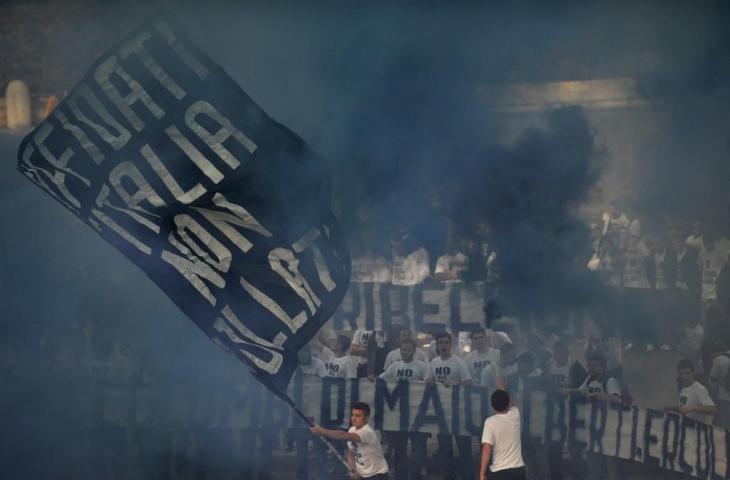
(603, 387)
(493, 375)
(481, 355)
(447, 368)
(364, 454)
(564, 372)
(694, 399)
(408, 369)
(720, 381)
(341, 364)
(598, 385)
(450, 370)
(404, 334)
(501, 441)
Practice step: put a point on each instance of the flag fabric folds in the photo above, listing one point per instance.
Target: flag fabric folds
(226, 210)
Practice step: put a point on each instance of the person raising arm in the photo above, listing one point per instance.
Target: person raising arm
(501, 441)
(364, 452)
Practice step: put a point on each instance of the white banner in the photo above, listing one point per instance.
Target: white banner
(643, 435)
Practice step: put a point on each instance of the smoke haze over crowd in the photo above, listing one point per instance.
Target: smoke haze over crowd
(388, 94)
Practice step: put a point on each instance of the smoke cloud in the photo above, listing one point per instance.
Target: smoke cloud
(386, 93)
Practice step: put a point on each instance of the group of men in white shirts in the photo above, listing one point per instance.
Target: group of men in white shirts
(500, 370)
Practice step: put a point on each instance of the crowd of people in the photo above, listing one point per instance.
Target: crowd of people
(668, 291)
(664, 292)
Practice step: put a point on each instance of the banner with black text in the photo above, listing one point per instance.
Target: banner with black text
(653, 437)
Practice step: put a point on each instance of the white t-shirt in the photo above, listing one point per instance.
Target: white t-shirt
(594, 386)
(720, 367)
(476, 362)
(452, 264)
(326, 354)
(340, 367)
(694, 241)
(502, 432)
(694, 396)
(695, 336)
(491, 372)
(681, 282)
(315, 368)
(452, 371)
(394, 355)
(411, 269)
(370, 269)
(415, 370)
(634, 273)
(361, 338)
(609, 347)
(711, 263)
(661, 274)
(368, 453)
(559, 374)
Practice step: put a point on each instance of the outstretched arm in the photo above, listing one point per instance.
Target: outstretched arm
(336, 434)
(703, 409)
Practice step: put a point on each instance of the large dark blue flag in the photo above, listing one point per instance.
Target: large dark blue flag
(226, 210)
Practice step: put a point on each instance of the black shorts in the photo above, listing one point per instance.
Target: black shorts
(379, 476)
(509, 474)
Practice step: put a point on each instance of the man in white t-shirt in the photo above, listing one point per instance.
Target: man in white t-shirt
(364, 453)
(482, 354)
(598, 385)
(450, 267)
(370, 267)
(404, 334)
(493, 375)
(412, 268)
(308, 364)
(363, 348)
(341, 365)
(602, 387)
(564, 372)
(408, 369)
(694, 399)
(501, 441)
(411, 263)
(719, 381)
(450, 370)
(712, 258)
(446, 368)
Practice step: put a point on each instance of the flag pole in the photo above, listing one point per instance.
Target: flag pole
(284, 396)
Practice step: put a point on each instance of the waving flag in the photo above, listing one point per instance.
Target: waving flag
(226, 210)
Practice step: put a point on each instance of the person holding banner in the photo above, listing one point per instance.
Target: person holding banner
(408, 369)
(501, 441)
(341, 364)
(482, 354)
(694, 399)
(364, 454)
(404, 334)
(599, 386)
(450, 370)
